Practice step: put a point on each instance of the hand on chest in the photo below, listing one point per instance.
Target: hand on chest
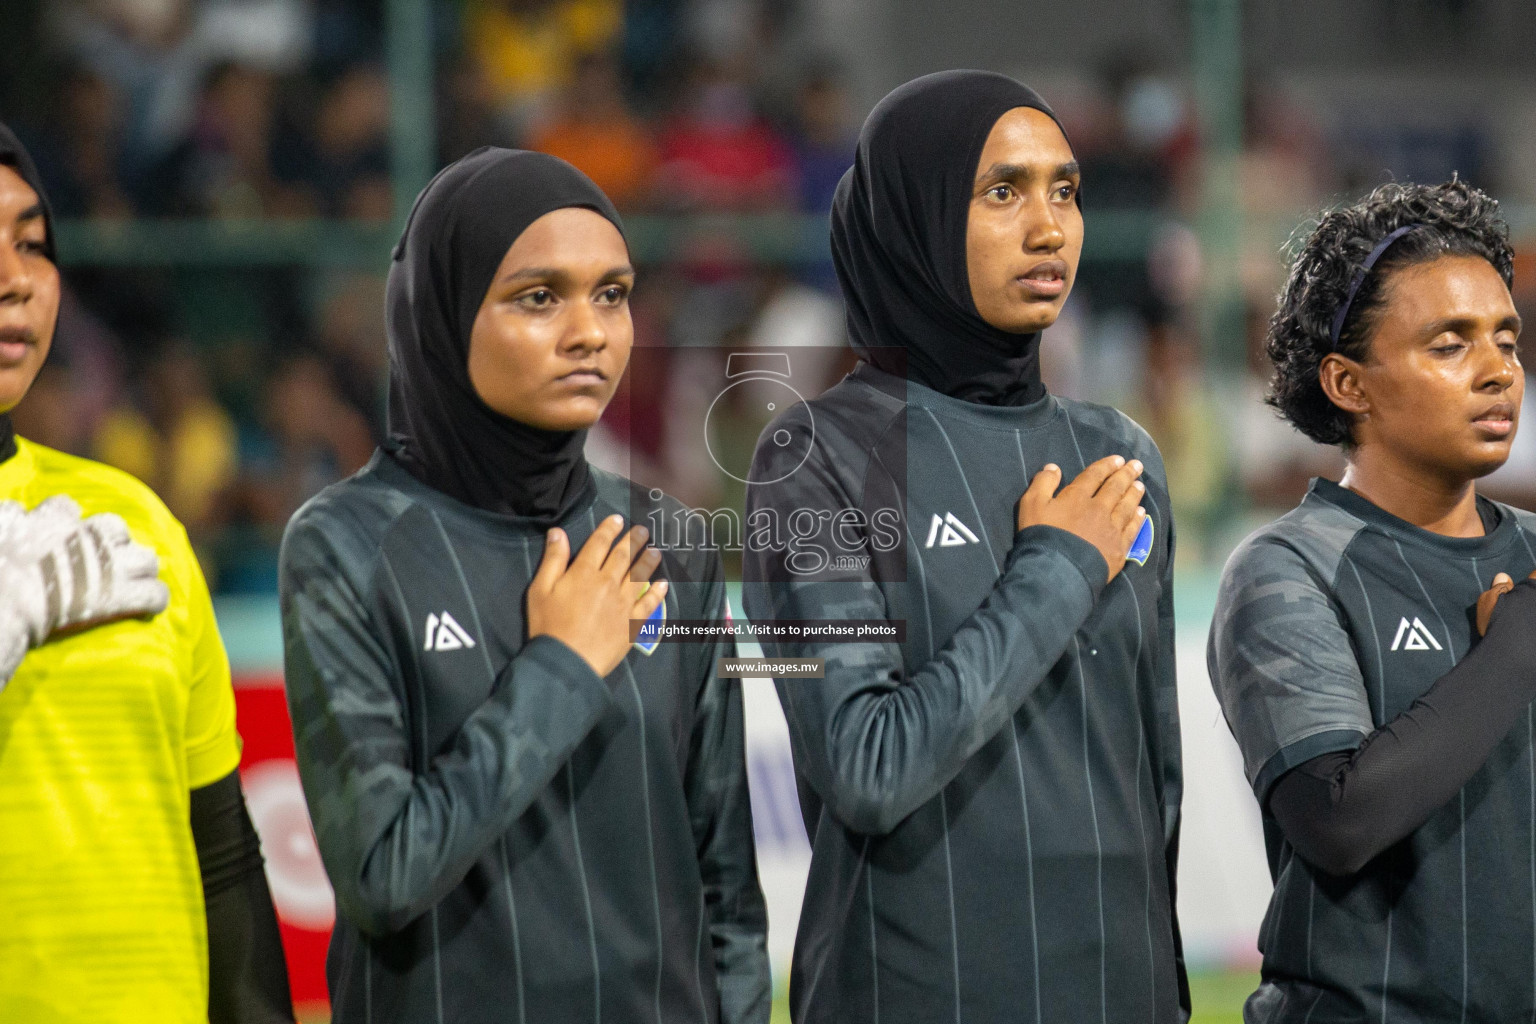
(1410, 614)
(957, 555)
(1406, 643)
(457, 613)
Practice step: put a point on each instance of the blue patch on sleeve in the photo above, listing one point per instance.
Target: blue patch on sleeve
(650, 630)
(1141, 548)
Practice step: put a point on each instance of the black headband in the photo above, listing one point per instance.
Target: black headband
(1359, 279)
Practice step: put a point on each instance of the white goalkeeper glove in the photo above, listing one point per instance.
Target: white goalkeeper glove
(58, 571)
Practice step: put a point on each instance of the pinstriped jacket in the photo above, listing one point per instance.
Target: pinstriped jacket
(511, 837)
(1330, 622)
(993, 801)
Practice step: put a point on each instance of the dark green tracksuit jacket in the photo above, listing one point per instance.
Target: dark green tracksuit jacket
(993, 803)
(1330, 623)
(510, 837)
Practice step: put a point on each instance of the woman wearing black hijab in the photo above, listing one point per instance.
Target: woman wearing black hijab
(524, 817)
(992, 799)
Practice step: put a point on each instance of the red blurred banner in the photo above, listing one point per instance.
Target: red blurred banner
(305, 906)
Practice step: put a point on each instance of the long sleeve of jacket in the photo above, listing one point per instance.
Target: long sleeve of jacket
(1342, 809)
(1168, 738)
(876, 740)
(720, 812)
(247, 975)
(399, 829)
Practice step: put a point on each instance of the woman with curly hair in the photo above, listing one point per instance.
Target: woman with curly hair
(1366, 647)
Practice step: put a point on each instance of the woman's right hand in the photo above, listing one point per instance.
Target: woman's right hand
(1102, 506)
(587, 602)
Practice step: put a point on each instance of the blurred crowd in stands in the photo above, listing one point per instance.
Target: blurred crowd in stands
(239, 392)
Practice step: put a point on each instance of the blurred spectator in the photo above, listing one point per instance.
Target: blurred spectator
(1275, 461)
(1174, 408)
(790, 315)
(718, 153)
(754, 38)
(157, 52)
(1283, 170)
(1143, 138)
(350, 330)
(80, 152)
(527, 49)
(593, 129)
(824, 138)
(309, 437)
(1130, 150)
(94, 358)
(183, 444)
(312, 437)
(148, 54)
(1284, 165)
(1515, 481)
(348, 30)
(49, 414)
(466, 110)
(653, 36)
(346, 158)
(1129, 164)
(224, 167)
(721, 30)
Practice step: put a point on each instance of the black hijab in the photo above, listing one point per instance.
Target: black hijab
(898, 240)
(15, 156)
(440, 429)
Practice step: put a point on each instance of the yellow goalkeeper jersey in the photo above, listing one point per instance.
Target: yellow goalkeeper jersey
(102, 736)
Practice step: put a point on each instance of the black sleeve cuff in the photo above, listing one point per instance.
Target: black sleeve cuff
(1300, 752)
(557, 658)
(1083, 555)
(247, 975)
(228, 848)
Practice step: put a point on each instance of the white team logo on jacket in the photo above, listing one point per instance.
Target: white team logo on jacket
(445, 634)
(949, 532)
(1415, 636)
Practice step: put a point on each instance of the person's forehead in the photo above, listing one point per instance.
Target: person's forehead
(16, 196)
(1025, 134)
(1448, 286)
(1449, 276)
(575, 233)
